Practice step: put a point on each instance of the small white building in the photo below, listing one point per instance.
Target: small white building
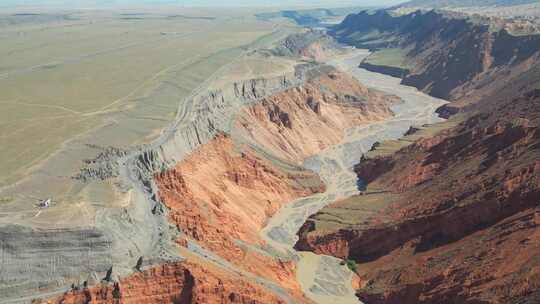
(45, 203)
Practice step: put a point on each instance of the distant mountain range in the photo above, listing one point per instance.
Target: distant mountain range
(465, 3)
(311, 17)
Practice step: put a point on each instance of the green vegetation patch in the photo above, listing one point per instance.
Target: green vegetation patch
(389, 147)
(5, 199)
(352, 212)
(351, 264)
(393, 57)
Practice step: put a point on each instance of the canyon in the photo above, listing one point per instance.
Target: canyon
(304, 171)
(220, 195)
(335, 164)
(449, 213)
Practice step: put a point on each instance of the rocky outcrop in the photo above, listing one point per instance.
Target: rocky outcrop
(313, 44)
(103, 166)
(453, 210)
(304, 120)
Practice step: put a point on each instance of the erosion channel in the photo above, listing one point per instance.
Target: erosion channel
(322, 278)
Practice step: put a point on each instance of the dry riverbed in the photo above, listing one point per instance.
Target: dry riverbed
(323, 278)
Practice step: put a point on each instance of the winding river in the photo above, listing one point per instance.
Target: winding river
(322, 278)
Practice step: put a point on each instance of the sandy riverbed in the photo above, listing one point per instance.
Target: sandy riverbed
(322, 278)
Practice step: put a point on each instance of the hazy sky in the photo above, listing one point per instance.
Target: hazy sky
(288, 3)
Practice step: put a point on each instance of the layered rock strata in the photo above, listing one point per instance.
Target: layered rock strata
(213, 190)
(300, 122)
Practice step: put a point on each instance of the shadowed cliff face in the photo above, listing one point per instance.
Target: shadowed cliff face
(458, 221)
(450, 55)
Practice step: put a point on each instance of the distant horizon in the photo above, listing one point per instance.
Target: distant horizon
(195, 3)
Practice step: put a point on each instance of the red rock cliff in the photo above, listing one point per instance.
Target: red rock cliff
(302, 121)
(224, 193)
(182, 282)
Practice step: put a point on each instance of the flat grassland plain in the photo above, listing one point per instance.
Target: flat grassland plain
(74, 83)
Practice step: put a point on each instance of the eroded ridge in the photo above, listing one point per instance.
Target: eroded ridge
(205, 189)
